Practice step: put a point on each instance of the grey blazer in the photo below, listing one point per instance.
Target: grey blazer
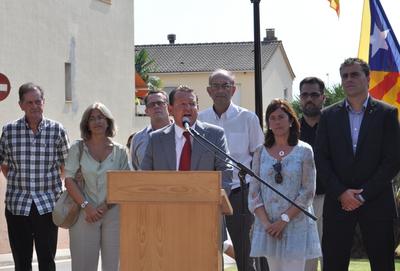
(161, 155)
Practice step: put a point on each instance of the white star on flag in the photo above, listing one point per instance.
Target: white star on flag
(3, 87)
(378, 40)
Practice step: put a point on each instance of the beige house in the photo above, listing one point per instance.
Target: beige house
(79, 51)
(191, 64)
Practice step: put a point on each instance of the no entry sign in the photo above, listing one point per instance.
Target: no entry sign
(4, 87)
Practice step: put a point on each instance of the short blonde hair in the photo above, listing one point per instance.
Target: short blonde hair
(84, 125)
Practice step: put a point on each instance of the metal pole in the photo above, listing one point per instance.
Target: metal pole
(261, 263)
(257, 61)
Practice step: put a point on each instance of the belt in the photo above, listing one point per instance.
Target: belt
(238, 189)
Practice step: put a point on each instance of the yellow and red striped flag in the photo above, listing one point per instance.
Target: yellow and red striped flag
(380, 48)
(335, 5)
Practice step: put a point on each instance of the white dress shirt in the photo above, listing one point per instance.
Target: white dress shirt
(243, 133)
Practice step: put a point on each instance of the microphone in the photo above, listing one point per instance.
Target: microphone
(186, 123)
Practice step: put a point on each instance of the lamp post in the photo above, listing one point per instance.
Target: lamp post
(261, 263)
(257, 61)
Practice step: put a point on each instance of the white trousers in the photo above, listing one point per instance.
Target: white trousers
(87, 240)
(318, 205)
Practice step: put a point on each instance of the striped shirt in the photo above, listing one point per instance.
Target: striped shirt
(33, 162)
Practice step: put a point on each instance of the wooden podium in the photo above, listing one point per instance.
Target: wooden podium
(170, 220)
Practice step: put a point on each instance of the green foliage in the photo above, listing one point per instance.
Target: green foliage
(333, 95)
(143, 66)
(154, 83)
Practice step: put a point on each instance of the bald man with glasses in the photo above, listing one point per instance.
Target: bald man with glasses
(244, 135)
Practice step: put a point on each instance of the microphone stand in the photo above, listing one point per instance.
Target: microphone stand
(243, 170)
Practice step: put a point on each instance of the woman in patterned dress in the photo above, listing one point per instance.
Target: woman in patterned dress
(282, 233)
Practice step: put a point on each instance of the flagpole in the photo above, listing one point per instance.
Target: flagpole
(363, 46)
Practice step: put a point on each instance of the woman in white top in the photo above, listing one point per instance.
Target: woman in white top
(97, 228)
(282, 233)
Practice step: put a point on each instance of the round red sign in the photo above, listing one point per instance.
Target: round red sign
(5, 87)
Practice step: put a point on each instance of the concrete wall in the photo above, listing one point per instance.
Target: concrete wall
(276, 78)
(39, 37)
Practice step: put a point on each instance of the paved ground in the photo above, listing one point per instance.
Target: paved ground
(63, 261)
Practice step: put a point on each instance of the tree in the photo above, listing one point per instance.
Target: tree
(143, 66)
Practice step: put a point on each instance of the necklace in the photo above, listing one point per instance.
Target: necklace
(281, 153)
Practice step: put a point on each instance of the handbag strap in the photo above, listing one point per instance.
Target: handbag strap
(80, 158)
(80, 152)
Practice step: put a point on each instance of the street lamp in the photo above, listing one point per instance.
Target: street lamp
(261, 263)
(257, 61)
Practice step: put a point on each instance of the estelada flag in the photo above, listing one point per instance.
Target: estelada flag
(380, 48)
(335, 5)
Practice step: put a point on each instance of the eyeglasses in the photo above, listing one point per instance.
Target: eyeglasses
(224, 86)
(99, 118)
(313, 95)
(158, 103)
(278, 168)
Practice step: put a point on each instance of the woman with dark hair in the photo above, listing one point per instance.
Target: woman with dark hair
(282, 233)
(97, 228)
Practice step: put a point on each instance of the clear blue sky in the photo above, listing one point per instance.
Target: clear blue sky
(315, 40)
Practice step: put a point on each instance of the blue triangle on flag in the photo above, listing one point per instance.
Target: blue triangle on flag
(384, 53)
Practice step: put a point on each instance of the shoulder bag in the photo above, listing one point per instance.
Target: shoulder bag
(66, 210)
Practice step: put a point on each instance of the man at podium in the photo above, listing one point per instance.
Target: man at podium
(172, 148)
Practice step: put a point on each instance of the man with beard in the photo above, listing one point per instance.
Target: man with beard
(311, 100)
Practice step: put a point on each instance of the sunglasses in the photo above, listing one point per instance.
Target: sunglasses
(312, 95)
(278, 168)
(154, 104)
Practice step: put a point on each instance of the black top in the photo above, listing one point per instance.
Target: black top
(307, 134)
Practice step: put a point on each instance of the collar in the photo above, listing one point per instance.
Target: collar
(179, 130)
(229, 113)
(149, 129)
(40, 126)
(349, 108)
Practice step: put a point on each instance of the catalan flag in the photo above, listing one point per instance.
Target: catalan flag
(335, 5)
(380, 48)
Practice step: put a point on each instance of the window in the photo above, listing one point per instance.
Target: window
(285, 93)
(68, 82)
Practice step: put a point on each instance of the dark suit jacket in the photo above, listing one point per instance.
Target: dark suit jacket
(161, 155)
(372, 167)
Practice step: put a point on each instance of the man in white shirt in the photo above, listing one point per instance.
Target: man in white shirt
(244, 135)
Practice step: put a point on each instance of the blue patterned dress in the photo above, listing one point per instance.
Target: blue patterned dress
(300, 237)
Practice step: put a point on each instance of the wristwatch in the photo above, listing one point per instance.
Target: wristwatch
(285, 218)
(84, 204)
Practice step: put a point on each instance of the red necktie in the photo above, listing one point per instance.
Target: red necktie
(184, 162)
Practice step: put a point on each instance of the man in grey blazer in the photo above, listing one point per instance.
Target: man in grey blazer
(165, 145)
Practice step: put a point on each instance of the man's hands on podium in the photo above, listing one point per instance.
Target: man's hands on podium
(349, 199)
